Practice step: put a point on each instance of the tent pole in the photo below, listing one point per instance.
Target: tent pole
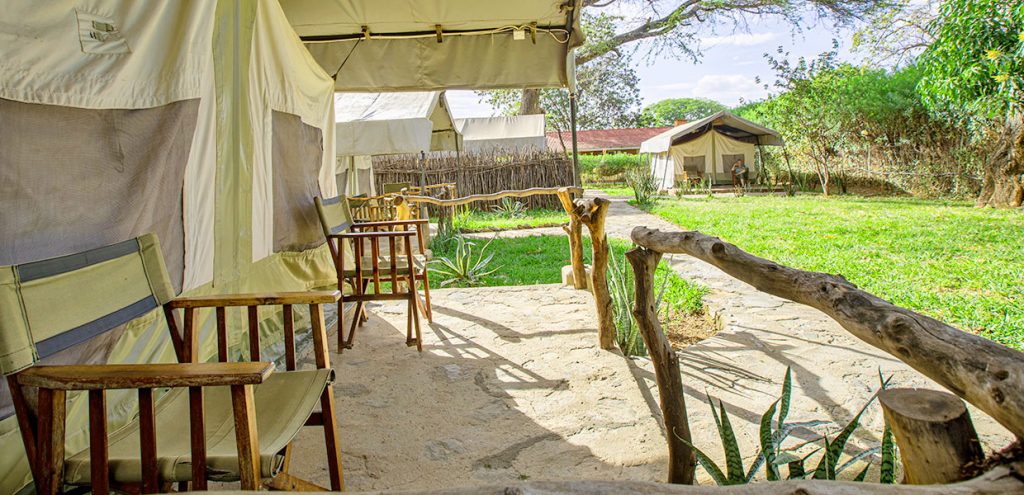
(423, 172)
(575, 149)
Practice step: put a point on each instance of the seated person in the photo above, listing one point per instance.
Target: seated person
(739, 173)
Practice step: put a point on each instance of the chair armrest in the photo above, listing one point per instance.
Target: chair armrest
(388, 223)
(121, 376)
(257, 299)
(368, 235)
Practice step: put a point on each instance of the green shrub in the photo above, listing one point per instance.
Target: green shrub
(644, 184)
(609, 165)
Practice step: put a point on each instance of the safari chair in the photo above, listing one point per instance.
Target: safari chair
(222, 421)
(397, 263)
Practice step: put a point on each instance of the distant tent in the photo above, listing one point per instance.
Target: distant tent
(707, 148)
(516, 133)
(368, 124)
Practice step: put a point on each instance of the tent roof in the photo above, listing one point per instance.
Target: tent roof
(512, 132)
(723, 122)
(477, 46)
(394, 123)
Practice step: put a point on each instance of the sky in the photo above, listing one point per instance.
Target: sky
(726, 71)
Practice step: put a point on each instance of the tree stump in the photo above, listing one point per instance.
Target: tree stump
(934, 433)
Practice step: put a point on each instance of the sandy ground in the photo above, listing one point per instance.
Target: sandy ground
(512, 385)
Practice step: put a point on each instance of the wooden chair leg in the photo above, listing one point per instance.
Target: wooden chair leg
(50, 449)
(98, 452)
(341, 324)
(245, 435)
(356, 321)
(414, 315)
(426, 296)
(330, 423)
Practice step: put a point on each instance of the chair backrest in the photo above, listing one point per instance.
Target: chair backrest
(335, 215)
(50, 305)
(396, 187)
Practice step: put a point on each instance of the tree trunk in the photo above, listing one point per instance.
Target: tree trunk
(529, 104)
(1002, 186)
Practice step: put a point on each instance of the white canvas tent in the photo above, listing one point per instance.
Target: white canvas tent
(119, 118)
(707, 148)
(211, 124)
(513, 133)
(368, 124)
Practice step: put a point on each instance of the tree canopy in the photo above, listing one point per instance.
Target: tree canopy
(974, 73)
(974, 68)
(666, 112)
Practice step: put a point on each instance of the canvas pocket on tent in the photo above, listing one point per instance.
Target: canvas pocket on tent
(100, 35)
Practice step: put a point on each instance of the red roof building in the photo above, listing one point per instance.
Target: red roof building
(600, 141)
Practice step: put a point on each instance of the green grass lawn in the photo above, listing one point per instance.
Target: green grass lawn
(483, 221)
(962, 265)
(539, 260)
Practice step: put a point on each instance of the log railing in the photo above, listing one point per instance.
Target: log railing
(978, 370)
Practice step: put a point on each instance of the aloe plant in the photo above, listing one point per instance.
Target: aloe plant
(464, 267)
(510, 208)
(773, 431)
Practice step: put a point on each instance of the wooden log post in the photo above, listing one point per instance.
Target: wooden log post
(681, 460)
(575, 233)
(934, 432)
(984, 373)
(592, 213)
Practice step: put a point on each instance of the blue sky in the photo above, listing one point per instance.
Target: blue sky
(726, 72)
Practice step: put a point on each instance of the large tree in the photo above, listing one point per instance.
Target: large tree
(974, 75)
(667, 112)
(676, 26)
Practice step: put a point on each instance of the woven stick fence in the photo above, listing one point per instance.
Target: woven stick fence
(481, 173)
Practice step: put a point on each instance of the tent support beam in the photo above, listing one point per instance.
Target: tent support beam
(575, 146)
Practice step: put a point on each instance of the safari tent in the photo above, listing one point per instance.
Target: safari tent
(212, 125)
(707, 149)
(503, 133)
(369, 124)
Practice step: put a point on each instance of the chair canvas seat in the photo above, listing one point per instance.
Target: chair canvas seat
(283, 404)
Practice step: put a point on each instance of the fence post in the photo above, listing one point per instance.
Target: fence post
(575, 233)
(681, 459)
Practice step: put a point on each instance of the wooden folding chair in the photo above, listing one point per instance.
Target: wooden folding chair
(220, 421)
(361, 244)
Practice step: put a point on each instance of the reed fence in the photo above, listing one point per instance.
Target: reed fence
(480, 173)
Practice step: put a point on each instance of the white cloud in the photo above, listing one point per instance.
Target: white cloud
(740, 39)
(724, 88)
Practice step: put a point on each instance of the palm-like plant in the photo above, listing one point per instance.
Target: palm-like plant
(465, 267)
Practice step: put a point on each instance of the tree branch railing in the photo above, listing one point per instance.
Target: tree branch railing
(978, 370)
